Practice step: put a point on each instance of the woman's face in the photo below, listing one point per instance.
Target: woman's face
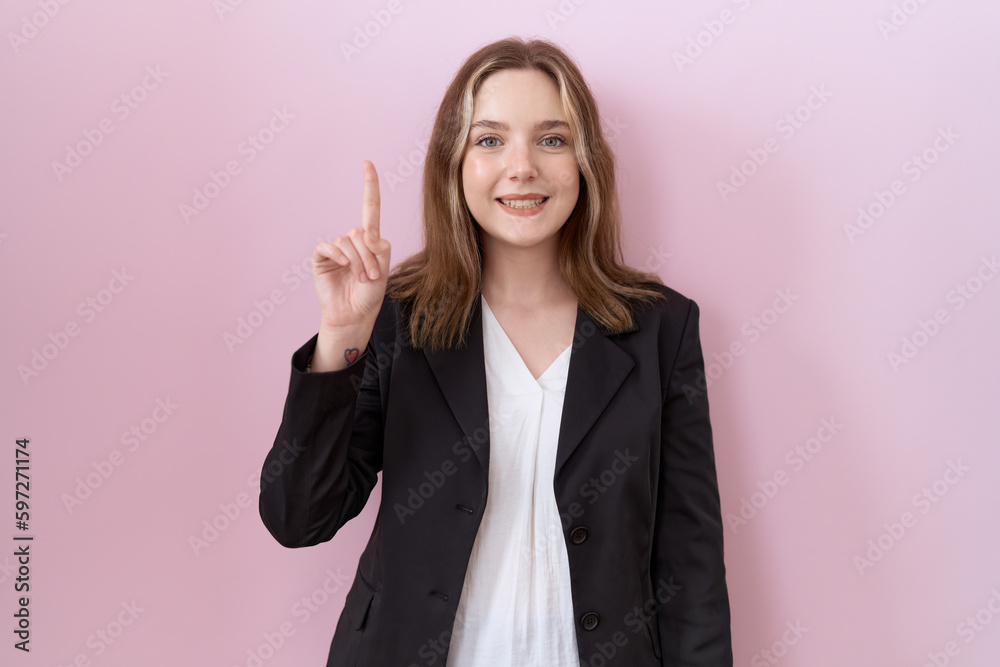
(519, 173)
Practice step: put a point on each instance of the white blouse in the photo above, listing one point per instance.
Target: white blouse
(516, 607)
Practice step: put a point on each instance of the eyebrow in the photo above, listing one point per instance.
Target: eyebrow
(504, 127)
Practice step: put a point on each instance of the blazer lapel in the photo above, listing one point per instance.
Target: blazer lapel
(597, 368)
(461, 374)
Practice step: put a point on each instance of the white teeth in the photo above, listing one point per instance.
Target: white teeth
(522, 203)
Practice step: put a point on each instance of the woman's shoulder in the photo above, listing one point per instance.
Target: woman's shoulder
(672, 305)
(670, 293)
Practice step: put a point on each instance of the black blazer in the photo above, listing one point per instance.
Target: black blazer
(635, 483)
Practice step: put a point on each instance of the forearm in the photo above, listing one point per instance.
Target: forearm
(326, 454)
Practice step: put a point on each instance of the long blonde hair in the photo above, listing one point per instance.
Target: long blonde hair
(439, 284)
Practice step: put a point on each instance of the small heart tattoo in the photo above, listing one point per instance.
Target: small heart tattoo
(351, 354)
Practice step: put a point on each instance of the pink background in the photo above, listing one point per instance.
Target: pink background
(888, 92)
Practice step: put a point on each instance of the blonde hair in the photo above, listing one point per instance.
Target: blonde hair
(438, 286)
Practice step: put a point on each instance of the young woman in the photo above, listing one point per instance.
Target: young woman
(549, 492)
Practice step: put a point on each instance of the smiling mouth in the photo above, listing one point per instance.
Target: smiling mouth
(523, 203)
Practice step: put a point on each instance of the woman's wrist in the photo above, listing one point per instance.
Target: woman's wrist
(336, 349)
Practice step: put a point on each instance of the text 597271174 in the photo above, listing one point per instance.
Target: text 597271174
(22, 543)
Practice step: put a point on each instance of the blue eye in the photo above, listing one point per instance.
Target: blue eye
(488, 137)
(555, 138)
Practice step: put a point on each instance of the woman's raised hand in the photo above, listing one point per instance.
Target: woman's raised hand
(351, 273)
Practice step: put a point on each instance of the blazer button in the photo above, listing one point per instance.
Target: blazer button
(590, 620)
(579, 535)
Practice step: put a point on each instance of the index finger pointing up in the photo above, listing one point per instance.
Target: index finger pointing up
(371, 203)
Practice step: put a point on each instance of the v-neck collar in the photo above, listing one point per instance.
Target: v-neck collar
(540, 381)
(598, 367)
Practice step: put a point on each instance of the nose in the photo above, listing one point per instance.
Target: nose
(521, 161)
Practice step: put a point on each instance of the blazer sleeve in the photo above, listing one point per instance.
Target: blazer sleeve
(327, 453)
(694, 625)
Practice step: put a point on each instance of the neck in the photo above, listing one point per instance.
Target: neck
(526, 277)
